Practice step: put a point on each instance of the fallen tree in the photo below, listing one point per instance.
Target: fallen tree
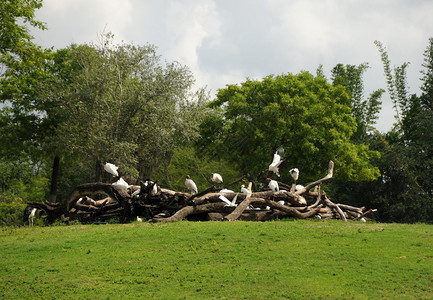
(166, 205)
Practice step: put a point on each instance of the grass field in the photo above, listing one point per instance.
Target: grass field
(295, 259)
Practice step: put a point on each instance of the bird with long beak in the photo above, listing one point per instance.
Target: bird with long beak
(273, 185)
(215, 177)
(294, 173)
(112, 169)
(276, 162)
(190, 185)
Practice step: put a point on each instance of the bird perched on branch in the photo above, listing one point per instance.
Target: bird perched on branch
(224, 199)
(190, 185)
(276, 162)
(295, 173)
(215, 177)
(121, 183)
(273, 185)
(112, 169)
(245, 190)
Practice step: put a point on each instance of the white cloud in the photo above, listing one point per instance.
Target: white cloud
(225, 41)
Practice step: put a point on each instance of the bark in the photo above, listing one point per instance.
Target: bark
(54, 177)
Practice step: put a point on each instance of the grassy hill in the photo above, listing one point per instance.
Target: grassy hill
(296, 259)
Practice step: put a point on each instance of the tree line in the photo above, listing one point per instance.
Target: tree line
(64, 113)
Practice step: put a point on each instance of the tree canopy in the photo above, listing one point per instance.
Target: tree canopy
(306, 115)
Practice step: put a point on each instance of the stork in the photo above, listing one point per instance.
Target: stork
(245, 190)
(217, 178)
(295, 174)
(139, 219)
(273, 185)
(32, 216)
(276, 162)
(121, 183)
(112, 169)
(190, 185)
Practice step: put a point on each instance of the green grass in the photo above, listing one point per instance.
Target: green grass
(296, 259)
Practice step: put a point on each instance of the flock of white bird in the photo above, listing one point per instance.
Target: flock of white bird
(272, 184)
(190, 184)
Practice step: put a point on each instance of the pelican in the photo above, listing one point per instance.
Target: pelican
(215, 177)
(276, 162)
(121, 183)
(245, 190)
(295, 173)
(273, 185)
(112, 169)
(190, 184)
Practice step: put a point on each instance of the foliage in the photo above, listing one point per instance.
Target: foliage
(186, 162)
(120, 104)
(15, 38)
(306, 115)
(365, 111)
(300, 259)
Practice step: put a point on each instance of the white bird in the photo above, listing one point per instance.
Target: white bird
(245, 190)
(273, 185)
(234, 200)
(190, 185)
(224, 199)
(112, 169)
(121, 183)
(215, 177)
(139, 219)
(226, 191)
(155, 187)
(299, 187)
(281, 202)
(295, 173)
(276, 162)
(32, 216)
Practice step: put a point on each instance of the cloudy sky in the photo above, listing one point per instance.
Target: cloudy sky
(226, 41)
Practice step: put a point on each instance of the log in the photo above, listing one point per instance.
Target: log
(241, 207)
(190, 210)
(320, 181)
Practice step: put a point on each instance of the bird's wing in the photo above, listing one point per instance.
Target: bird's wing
(234, 199)
(222, 198)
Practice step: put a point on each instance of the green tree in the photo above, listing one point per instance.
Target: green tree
(15, 38)
(365, 111)
(304, 114)
(119, 103)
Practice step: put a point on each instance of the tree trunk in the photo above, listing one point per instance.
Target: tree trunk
(54, 177)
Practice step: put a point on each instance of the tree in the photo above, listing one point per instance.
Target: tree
(118, 103)
(15, 38)
(304, 114)
(365, 111)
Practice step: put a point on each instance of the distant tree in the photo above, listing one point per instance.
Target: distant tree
(365, 111)
(304, 114)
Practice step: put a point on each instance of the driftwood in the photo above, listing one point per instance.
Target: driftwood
(105, 201)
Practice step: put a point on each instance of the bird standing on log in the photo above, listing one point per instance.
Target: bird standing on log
(190, 185)
(273, 185)
(295, 173)
(217, 178)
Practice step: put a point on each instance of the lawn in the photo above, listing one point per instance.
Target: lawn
(296, 259)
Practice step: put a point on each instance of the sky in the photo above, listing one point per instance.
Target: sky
(227, 41)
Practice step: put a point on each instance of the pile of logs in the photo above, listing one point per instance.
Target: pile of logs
(170, 206)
